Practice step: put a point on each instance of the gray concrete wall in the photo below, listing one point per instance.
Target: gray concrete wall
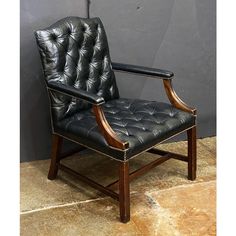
(174, 35)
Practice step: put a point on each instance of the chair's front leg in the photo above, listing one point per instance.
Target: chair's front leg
(192, 153)
(55, 159)
(124, 192)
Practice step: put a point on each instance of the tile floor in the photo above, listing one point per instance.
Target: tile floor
(163, 202)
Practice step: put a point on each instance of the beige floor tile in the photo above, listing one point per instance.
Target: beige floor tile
(85, 219)
(183, 210)
(210, 144)
(39, 192)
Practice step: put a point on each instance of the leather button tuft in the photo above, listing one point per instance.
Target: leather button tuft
(53, 37)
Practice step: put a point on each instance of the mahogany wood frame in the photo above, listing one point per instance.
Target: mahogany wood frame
(175, 99)
(124, 176)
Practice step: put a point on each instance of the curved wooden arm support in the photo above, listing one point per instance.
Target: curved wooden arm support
(174, 99)
(106, 129)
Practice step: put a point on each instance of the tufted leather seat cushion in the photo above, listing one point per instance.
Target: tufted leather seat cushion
(141, 123)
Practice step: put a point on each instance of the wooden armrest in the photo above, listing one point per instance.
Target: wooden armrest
(174, 99)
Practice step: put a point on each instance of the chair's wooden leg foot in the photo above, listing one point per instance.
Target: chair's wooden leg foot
(192, 153)
(124, 192)
(55, 159)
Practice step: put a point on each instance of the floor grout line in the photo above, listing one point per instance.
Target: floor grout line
(68, 204)
(181, 186)
(62, 205)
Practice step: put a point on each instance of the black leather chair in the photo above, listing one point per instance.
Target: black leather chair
(86, 107)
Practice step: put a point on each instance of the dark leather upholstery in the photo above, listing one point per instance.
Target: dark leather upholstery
(77, 93)
(141, 123)
(74, 52)
(141, 70)
(77, 69)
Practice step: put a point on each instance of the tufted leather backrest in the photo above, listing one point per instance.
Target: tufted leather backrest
(74, 51)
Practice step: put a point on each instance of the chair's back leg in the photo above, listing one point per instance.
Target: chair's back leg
(192, 153)
(55, 158)
(124, 192)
